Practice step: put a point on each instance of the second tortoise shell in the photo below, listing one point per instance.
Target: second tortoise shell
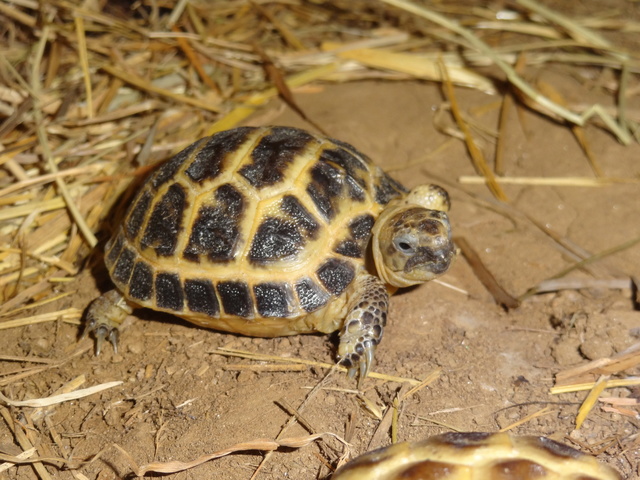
(477, 456)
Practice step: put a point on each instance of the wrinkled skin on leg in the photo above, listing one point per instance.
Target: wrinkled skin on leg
(364, 323)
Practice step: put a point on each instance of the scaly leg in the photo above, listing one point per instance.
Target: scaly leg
(104, 316)
(363, 325)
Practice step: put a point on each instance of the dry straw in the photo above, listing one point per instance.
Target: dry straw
(92, 95)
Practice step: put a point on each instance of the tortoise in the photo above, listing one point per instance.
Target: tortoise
(273, 231)
(477, 456)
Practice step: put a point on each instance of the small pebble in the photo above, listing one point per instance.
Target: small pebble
(245, 376)
(566, 352)
(596, 347)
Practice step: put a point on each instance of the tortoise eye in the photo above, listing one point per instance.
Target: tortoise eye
(404, 244)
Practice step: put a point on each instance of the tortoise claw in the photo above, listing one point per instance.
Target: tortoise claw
(89, 326)
(102, 333)
(359, 363)
(351, 372)
(368, 360)
(104, 316)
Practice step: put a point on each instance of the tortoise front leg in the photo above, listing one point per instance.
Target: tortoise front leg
(364, 323)
(104, 316)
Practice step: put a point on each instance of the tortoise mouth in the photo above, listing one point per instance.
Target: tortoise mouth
(434, 261)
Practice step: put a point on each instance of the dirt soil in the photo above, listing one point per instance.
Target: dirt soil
(179, 400)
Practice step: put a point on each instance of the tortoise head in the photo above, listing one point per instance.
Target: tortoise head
(412, 237)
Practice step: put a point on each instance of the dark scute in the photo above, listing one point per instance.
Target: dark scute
(388, 189)
(558, 449)
(350, 148)
(517, 469)
(311, 295)
(325, 188)
(213, 234)
(428, 470)
(141, 285)
(336, 275)
(208, 162)
(215, 231)
(169, 293)
(322, 203)
(300, 215)
(360, 227)
(201, 297)
(349, 248)
(124, 266)
(276, 239)
(273, 299)
(463, 440)
(167, 170)
(137, 214)
(114, 247)
(236, 298)
(273, 154)
(346, 159)
(165, 222)
(355, 190)
(231, 199)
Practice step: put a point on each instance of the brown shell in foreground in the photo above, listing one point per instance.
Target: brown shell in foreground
(477, 456)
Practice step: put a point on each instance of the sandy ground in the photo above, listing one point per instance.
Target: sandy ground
(179, 400)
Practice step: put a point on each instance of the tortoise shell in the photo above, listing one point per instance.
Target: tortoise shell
(477, 456)
(250, 224)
